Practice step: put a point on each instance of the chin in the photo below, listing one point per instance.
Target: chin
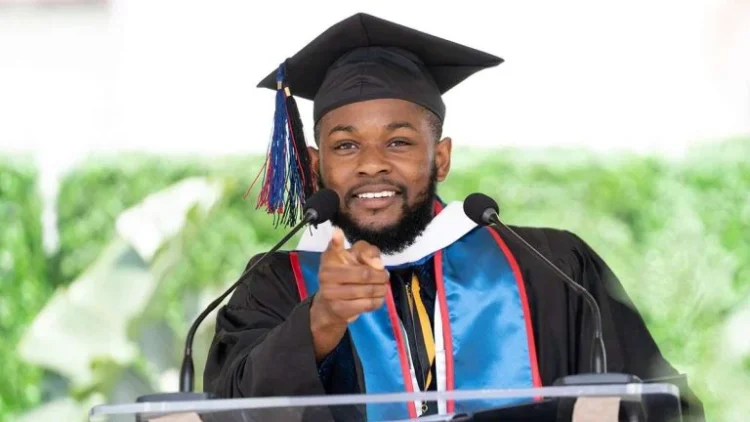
(366, 218)
(375, 224)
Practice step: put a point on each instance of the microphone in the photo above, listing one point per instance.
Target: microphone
(483, 210)
(319, 207)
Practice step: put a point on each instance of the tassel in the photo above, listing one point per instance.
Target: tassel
(287, 181)
(300, 145)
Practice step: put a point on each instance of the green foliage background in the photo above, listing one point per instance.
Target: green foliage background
(24, 285)
(674, 231)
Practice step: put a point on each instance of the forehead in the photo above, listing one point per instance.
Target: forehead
(379, 112)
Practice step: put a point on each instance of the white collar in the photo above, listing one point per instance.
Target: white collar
(447, 227)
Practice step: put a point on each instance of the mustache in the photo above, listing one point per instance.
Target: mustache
(382, 181)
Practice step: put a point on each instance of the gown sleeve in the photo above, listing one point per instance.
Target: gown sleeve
(263, 344)
(630, 346)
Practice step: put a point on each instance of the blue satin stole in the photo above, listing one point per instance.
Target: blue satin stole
(486, 325)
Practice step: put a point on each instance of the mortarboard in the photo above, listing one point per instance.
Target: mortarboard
(360, 58)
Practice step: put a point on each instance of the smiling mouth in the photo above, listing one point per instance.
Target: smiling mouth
(375, 195)
(376, 199)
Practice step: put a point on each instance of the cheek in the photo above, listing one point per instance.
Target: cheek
(417, 177)
(334, 175)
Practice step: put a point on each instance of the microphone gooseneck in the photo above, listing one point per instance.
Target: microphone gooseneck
(319, 208)
(483, 210)
(599, 352)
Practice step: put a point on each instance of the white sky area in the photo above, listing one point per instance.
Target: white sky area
(179, 76)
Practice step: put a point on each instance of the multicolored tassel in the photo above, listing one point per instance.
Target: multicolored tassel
(288, 179)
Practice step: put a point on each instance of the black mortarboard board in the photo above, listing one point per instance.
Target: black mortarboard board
(364, 57)
(360, 58)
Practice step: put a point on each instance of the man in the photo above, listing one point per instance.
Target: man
(401, 292)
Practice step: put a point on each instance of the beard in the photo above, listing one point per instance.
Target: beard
(400, 235)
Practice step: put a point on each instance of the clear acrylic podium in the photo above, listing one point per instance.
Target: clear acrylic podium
(645, 402)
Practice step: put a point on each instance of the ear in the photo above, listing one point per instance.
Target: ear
(314, 161)
(443, 158)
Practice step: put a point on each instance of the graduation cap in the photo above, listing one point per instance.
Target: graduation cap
(360, 58)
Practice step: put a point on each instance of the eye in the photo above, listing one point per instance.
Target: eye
(344, 145)
(399, 142)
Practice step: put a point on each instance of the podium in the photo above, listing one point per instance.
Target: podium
(629, 402)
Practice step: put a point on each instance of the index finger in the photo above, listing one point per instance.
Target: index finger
(368, 254)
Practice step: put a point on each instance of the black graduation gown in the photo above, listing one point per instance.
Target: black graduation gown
(263, 344)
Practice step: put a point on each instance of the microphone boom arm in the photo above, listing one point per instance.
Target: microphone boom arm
(187, 369)
(599, 352)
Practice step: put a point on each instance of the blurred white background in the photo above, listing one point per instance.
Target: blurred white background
(179, 76)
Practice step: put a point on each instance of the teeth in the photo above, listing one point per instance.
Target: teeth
(370, 195)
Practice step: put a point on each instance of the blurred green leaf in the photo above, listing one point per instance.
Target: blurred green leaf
(24, 286)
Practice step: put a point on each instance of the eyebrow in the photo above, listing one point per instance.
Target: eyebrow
(342, 128)
(400, 125)
(389, 127)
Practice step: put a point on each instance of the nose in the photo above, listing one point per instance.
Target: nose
(372, 162)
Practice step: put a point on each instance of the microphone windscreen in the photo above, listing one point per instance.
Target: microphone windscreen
(325, 203)
(476, 205)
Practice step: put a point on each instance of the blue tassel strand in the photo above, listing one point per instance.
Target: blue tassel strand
(283, 190)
